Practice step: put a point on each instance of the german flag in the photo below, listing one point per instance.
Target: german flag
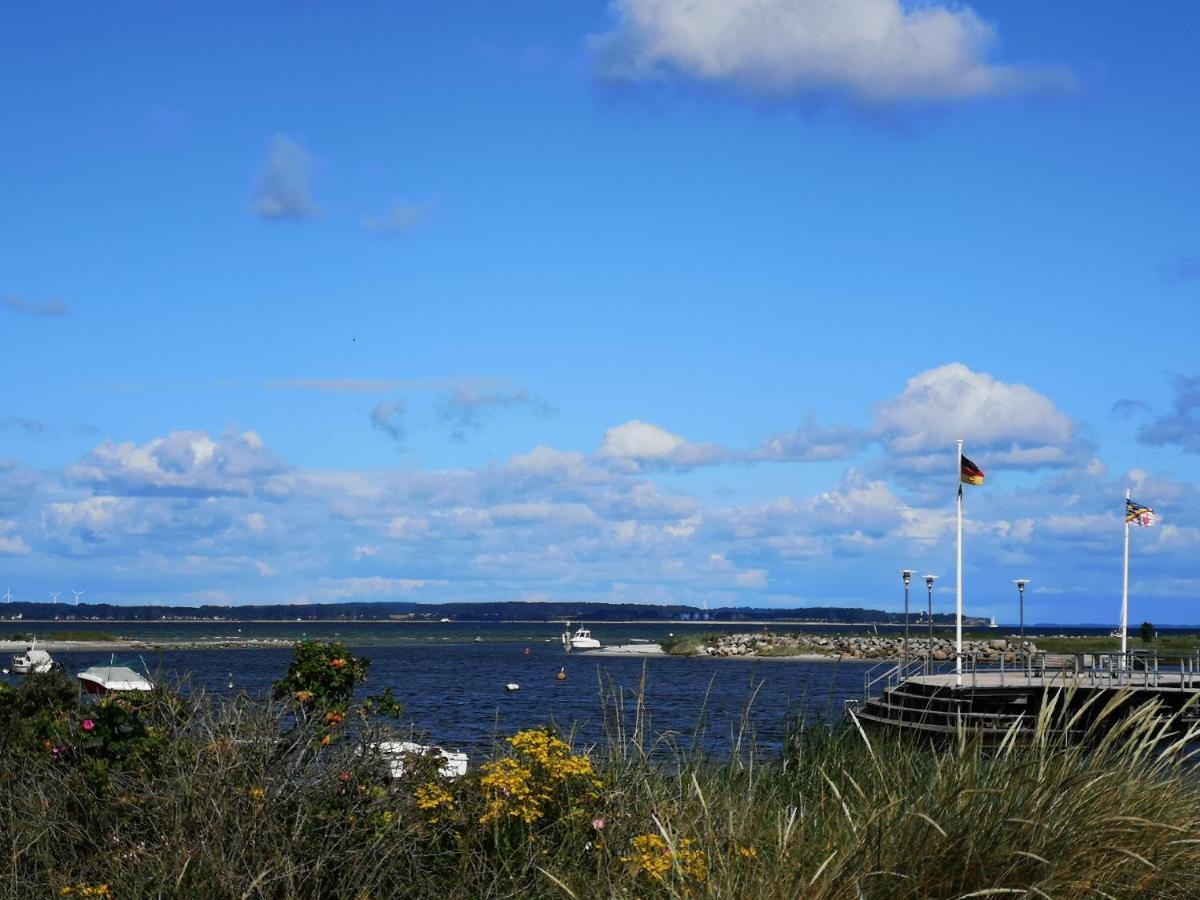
(970, 473)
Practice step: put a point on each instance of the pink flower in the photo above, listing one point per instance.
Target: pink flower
(87, 725)
(598, 824)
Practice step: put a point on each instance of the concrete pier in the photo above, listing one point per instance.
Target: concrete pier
(989, 701)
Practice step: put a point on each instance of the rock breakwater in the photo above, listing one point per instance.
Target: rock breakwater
(855, 646)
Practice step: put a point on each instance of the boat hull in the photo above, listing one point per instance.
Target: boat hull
(99, 687)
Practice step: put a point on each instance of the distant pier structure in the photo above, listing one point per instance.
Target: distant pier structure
(988, 699)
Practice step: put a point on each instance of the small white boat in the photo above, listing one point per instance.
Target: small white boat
(32, 660)
(512, 686)
(581, 640)
(112, 679)
(397, 753)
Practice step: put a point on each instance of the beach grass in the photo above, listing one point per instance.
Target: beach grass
(81, 635)
(230, 797)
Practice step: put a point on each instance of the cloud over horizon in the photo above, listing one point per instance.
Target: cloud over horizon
(228, 514)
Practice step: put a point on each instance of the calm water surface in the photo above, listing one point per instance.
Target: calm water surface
(454, 694)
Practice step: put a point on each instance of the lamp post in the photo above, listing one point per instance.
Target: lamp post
(1020, 583)
(907, 575)
(929, 580)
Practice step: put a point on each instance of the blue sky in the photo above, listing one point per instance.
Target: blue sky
(643, 300)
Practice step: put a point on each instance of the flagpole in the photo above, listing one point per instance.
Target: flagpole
(1125, 588)
(958, 603)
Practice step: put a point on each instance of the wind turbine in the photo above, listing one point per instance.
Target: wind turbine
(77, 594)
(8, 595)
(54, 596)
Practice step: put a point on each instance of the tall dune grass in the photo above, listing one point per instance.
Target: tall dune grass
(235, 798)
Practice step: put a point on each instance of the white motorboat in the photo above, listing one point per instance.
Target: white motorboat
(452, 763)
(581, 640)
(32, 660)
(113, 679)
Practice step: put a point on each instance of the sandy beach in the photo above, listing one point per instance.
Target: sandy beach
(654, 650)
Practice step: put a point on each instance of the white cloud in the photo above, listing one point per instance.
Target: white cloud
(636, 444)
(877, 51)
(25, 307)
(465, 408)
(752, 578)
(389, 418)
(547, 461)
(398, 221)
(284, 189)
(332, 590)
(1014, 424)
(11, 543)
(809, 443)
(184, 463)
(407, 527)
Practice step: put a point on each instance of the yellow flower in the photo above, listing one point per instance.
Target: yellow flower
(257, 793)
(652, 855)
(84, 890)
(531, 784)
(691, 860)
(748, 852)
(436, 801)
(509, 785)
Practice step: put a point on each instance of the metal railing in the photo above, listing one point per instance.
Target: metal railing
(1110, 670)
(892, 675)
(1137, 668)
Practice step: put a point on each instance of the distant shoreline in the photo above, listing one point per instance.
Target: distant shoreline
(713, 623)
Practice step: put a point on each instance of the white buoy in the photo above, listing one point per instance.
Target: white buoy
(512, 686)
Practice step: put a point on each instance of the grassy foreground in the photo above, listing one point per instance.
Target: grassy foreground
(209, 797)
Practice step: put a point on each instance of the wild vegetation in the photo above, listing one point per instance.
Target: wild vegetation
(172, 795)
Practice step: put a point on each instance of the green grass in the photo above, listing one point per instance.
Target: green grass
(1175, 644)
(231, 798)
(688, 644)
(789, 650)
(80, 635)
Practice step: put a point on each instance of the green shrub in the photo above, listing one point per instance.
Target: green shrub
(323, 673)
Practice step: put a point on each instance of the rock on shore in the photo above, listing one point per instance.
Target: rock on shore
(857, 646)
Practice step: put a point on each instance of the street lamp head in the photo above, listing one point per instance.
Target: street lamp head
(1020, 583)
(907, 575)
(929, 580)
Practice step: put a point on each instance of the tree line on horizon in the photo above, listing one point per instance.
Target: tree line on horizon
(495, 611)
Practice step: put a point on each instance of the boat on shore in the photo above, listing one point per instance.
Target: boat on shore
(34, 661)
(581, 640)
(400, 755)
(113, 679)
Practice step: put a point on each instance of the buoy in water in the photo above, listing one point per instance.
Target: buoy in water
(527, 651)
(562, 674)
(512, 686)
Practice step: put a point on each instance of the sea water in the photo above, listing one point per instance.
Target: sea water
(454, 694)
